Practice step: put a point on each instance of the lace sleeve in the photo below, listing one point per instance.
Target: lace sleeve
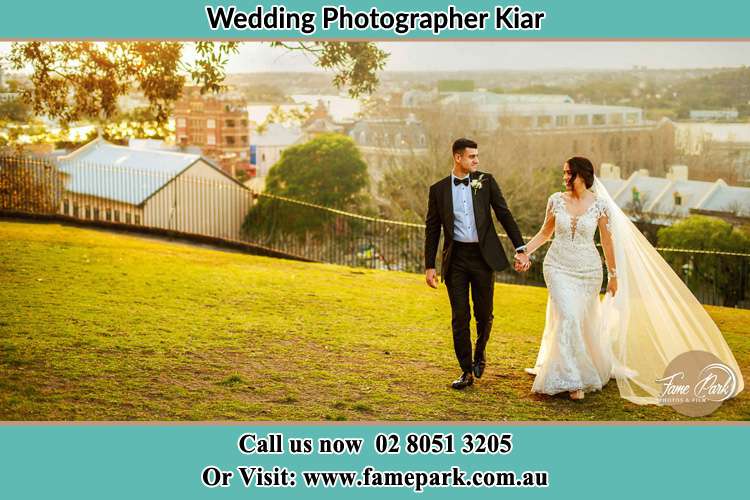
(603, 214)
(552, 204)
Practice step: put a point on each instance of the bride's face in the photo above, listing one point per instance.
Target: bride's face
(567, 176)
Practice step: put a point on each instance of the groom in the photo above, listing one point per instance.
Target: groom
(460, 204)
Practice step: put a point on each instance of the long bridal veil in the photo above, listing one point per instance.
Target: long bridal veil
(653, 317)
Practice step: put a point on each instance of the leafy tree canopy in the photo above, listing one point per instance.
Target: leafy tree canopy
(75, 80)
(328, 170)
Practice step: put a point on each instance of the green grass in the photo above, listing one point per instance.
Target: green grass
(102, 326)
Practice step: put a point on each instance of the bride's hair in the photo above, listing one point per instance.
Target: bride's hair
(580, 166)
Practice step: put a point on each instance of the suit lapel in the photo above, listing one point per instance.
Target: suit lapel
(478, 205)
(448, 202)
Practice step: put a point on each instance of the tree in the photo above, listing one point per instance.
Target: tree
(327, 171)
(76, 80)
(14, 110)
(726, 275)
(29, 185)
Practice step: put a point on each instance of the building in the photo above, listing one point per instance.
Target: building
(494, 99)
(726, 144)
(266, 147)
(388, 142)
(161, 145)
(488, 111)
(162, 189)
(714, 114)
(218, 124)
(663, 200)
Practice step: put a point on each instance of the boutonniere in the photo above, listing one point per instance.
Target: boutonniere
(476, 184)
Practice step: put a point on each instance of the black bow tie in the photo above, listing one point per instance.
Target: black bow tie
(464, 181)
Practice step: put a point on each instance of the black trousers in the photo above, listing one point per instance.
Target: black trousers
(469, 271)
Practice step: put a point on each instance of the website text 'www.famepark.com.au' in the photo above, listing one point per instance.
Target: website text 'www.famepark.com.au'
(369, 477)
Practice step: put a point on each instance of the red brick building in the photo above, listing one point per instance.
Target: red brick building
(218, 124)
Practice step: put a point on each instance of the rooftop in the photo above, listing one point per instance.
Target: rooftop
(106, 170)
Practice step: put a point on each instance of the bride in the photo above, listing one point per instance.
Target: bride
(647, 317)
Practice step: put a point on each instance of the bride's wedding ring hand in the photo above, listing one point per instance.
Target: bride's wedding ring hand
(522, 262)
(612, 286)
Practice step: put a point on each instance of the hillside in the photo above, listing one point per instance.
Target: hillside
(104, 326)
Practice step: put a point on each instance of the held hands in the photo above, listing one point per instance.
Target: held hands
(430, 277)
(521, 263)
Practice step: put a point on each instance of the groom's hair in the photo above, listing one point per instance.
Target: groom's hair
(581, 167)
(460, 144)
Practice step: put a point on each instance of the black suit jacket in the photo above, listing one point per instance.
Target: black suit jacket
(440, 214)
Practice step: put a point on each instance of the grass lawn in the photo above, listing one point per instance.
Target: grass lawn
(103, 326)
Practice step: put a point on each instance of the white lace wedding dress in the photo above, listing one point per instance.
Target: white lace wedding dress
(573, 354)
(633, 336)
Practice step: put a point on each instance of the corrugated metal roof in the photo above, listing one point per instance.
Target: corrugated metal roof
(729, 199)
(276, 135)
(648, 187)
(120, 173)
(690, 193)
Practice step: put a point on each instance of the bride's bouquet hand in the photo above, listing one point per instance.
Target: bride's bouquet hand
(612, 286)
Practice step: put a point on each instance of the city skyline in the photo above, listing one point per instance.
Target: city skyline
(257, 57)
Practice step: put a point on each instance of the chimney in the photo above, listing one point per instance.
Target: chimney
(609, 171)
(678, 173)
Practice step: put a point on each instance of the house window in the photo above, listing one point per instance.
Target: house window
(263, 157)
(127, 218)
(244, 139)
(108, 214)
(230, 140)
(677, 199)
(210, 123)
(229, 123)
(544, 121)
(75, 210)
(181, 122)
(117, 216)
(137, 219)
(561, 121)
(211, 139)
(582, 119)
(96, 213)
(599, 119)
(88, 212)
(244, 123)
(66, 207)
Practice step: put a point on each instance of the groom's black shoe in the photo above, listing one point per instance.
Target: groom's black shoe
(479, 368)
(464, 381)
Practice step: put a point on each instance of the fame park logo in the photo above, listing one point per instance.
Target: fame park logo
(695, 383)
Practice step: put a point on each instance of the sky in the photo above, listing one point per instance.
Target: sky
(426, 56)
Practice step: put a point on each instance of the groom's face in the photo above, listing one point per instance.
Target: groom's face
(468, 160)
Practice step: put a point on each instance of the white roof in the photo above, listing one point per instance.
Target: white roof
(121, 173)
(485, 98)
(562, 108)
(728, 199)
(276, 134)
(658, 195)
(691, 193)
